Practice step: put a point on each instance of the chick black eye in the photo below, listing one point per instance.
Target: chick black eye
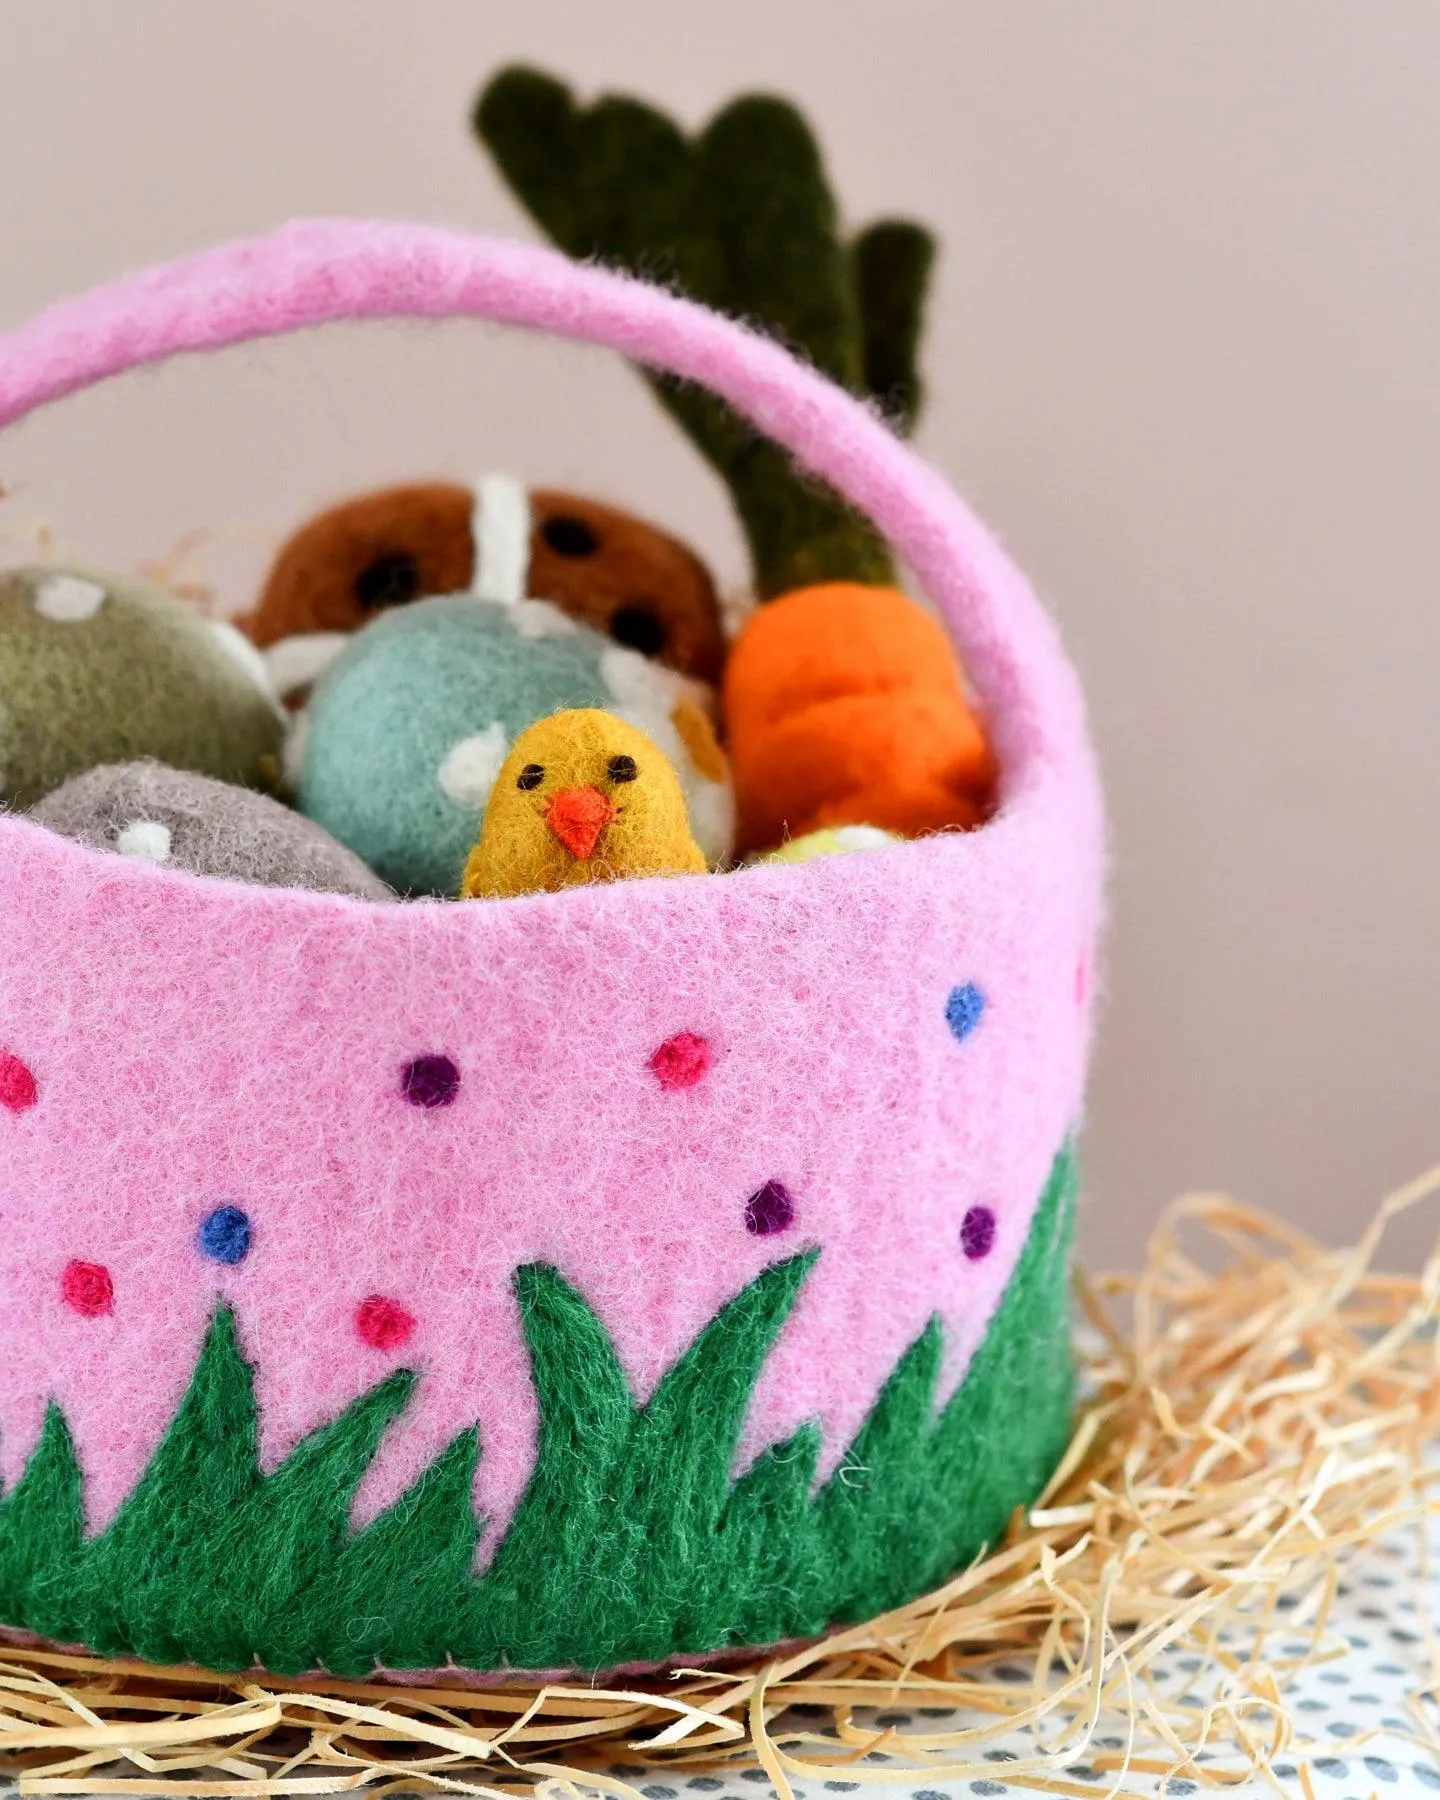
(638, 629)
(622, 768)
(388, 581)
(568, 536)
(530, 777)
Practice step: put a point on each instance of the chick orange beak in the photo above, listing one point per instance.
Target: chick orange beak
(577, 816)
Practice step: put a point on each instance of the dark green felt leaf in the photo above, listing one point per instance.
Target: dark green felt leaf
(892, 261)
(741, 217)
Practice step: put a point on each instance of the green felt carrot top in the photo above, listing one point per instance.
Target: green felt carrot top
(741, 217)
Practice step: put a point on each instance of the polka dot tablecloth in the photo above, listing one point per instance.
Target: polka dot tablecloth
(1361, 1713)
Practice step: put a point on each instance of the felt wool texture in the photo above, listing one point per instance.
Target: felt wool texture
(741, 217)
(633, 1542)
(95, 670)
(405, 733)
(206, 827)
(259, 1057)
(615, 572)
(845, 705)
(583, 796)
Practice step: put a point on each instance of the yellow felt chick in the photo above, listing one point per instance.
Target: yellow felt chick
(583, 796)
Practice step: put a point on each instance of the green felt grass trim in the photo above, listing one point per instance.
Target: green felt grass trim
(631, 1542)
(41, 1535)
(741, 217)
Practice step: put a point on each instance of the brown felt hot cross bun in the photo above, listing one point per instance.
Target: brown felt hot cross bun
(615, 572)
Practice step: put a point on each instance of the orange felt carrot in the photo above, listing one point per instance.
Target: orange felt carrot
(845, 705)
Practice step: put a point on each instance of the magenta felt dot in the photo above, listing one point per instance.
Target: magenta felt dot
(87, 1289)
(17, 1084)
(977, 1232)
(430, 1081)
(681, 1061)
(769, 1209)
(383, 1323)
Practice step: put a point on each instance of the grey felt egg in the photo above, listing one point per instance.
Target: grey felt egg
(95, 670)
(188, 821)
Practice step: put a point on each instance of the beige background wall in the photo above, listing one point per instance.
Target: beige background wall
(1185, 354)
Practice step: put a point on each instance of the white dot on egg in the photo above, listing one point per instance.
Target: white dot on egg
(468, 772)
(862, 837)
(145, 838)
(68, 599)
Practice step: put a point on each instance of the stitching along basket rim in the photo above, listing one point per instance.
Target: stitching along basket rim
(532, 1379)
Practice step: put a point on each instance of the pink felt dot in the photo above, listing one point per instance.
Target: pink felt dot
(382, 1323)
(87, 1289)
(17, 1085)
(681, 1061)
(1082, 978)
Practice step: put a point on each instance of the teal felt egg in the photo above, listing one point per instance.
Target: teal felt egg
(98, 670)
(399, 745)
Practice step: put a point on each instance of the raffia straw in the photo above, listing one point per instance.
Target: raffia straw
(169, 572)
(1247, 1435)
(33, 540)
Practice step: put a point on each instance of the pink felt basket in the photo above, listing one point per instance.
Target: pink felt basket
(194, 1042)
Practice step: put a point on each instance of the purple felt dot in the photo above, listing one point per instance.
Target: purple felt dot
(770, 1209)
(977, 1232)
(430, 1081)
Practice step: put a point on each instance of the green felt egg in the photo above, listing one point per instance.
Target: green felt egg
(98, 670)
(400, 743)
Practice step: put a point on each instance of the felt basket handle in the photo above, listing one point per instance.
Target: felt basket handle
(315, 271)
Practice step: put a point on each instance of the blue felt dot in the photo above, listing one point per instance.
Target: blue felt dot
(224, 1235)
(963, 1009)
